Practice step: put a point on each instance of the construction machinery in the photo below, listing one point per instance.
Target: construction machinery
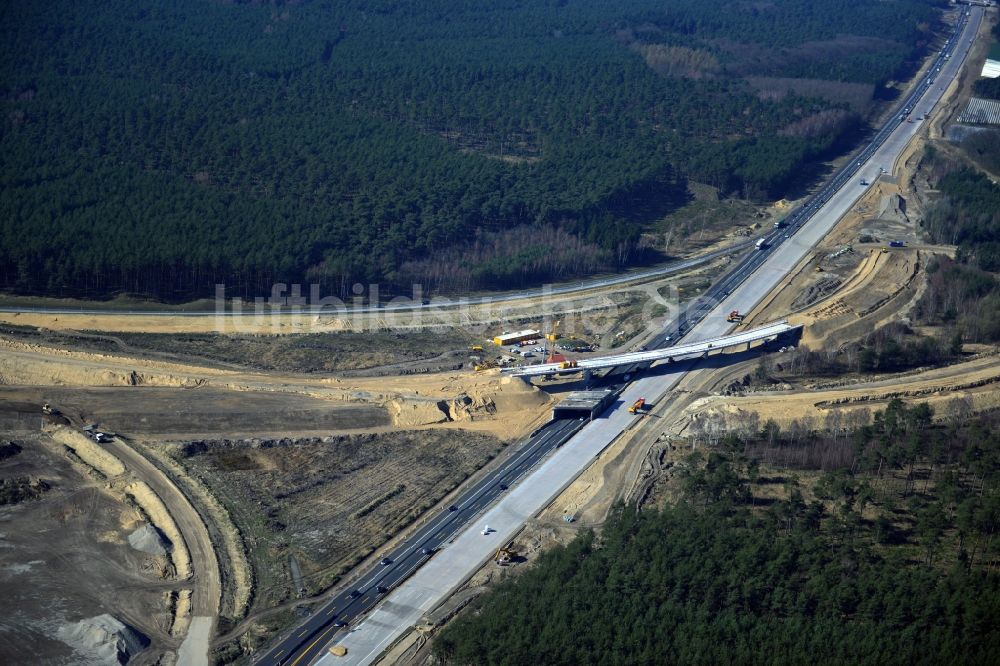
(637, 406)
(567, 364)
(338, 651)
(505, 555)
(476, 348)
(486, 365)
(884, 250)
(735, 317)
(553, 335)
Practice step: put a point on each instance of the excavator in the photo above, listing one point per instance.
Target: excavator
(637, 406)
(505, 555)
(553, 335)
(735, 317)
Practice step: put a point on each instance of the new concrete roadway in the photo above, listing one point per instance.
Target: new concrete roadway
(750, 281)
(307, 640)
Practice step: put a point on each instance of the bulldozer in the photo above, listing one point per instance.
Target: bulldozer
(485, 365)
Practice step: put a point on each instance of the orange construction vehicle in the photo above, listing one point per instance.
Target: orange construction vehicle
(637, 406)
(568, 364)
(735, 316)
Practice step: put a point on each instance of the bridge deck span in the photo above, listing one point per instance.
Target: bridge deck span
(766, 332)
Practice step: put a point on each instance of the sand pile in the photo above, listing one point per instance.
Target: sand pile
(512, 395)
(103, 640)
(468, 408)
(413, 411)
(147, 539)
(89, 451)
(480, 401)
(893, 207)
(157, 512)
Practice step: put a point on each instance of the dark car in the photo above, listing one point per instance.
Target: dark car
(355, 594)
(386, 561)
(503, 486)
(340, 623)
(453, 508)
(381, 589)
(427, 551)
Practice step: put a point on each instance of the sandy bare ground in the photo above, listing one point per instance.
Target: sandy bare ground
(485, 402)
(449, 313)
(972, 385)
(883, 289)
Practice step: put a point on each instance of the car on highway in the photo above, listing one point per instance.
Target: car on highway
(355, 594)
(453, 508)
(340, 623)
(386, 561)
(427, 551)
(381, 589)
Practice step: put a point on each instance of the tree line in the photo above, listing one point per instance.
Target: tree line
(851, 568)
(158, 148)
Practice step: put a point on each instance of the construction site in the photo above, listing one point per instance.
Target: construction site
(243, 479)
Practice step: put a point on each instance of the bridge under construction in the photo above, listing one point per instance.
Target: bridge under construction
(765, 333)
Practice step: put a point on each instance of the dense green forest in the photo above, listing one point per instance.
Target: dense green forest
(989, 87)
(964, 293)
(886, 557)
(158, 147)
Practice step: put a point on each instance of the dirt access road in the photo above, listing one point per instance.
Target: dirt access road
(207, 587)
(206, 582)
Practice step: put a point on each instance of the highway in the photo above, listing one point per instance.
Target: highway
(862, 166)
(408, 304)
(308, 639)
(667, 353)
(743, 287)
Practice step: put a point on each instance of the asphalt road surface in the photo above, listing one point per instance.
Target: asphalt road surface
(306, 641)
(408, 304)
(747, 283)
(858, 170)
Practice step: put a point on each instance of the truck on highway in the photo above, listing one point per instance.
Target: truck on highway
(761, 244)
